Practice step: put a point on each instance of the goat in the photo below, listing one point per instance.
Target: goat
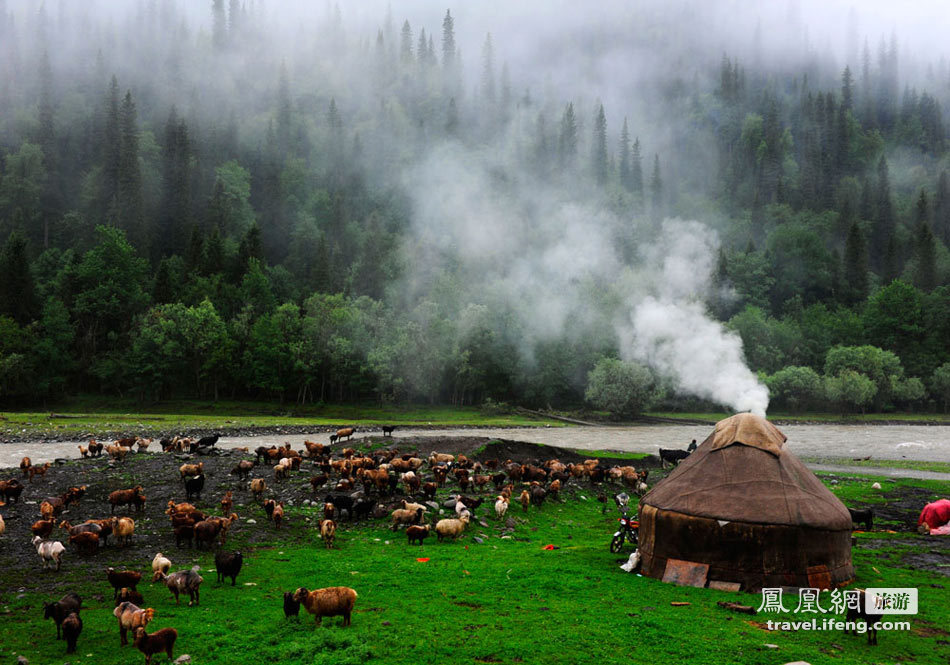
(672, 456)
(83, 451)
(49, 551)
(160, 640)
(133, 496)
(160, 567)
(525, 500)
(228, 564)
(328, 532)
(122, 578)
(59, 610)
(388, 430)
(420, 533)
(860, 613)
(85, 543)
(123, 529)
(72, 626)
(184, 532)
(38, 471)
(25, 465)
(291, 606)
(865, 517)
(207, 441)
(501, 507)
(43, 528)
(131, 617)
(537, 495)
(243, 469)
(193, 486)
(185, 581)
(258, 486)
(329, 602)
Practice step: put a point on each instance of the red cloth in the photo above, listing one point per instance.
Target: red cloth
(935, 514)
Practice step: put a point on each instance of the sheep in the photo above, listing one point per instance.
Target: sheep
(227, 503)
(329, 602)
(123, 529)
(106, 527)
(501, 507)
(131, 617)
(408, 505)
(363, 508)
(328, 532)
(282, 469)
(207, 531)
(73, 495)
(143, 444)
(420, 533)
(85, 543)
(537, 495)
(184, 532)
(127, 595)
(440, 458)
(179, 508)
(461, 508)
(428, 490)
(341, 502)
(243, 469)
(43, 528)
(228, 564)
(865, 517)
(51, 507)
(133, 496)
(25, 465)
(451, 528)
(160, 640)
(554, 488)
(72, 626)
(117, 453)
(411, 481)
(278, 514)
(193, 486)
(160, 567)
(291, 606)
(11, 489)
(257, 487)
(95, 448)
(403, 516)
(314, 449)
(83, 451)
(121, 578)
(191, 470)
(525, 500)
(59, 610)
(3, 526)
(860, 613)
(185, 581)
(38, 471)
(345, 433)
(49, 551)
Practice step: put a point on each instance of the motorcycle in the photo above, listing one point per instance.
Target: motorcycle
(629, 526)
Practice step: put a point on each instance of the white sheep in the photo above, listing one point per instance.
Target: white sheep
(3, 526)
(451, 528)
(49, 550)
(461, 508)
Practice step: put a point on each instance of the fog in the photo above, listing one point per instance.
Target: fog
(543, 244)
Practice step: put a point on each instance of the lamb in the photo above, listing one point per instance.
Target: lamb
(191, 470)
(193, 486)
(451, 528)
(160, 640)
(501, 507)
(419, 533)
(59, 610)
(160, 567)
(228, 564)
(291, 606)
(38, 471)
(329, 602)
(257, 487)
(278, 514)
(227, 503)
(127, 595)
(72, 626)
(243, 469)
(185, 581)
(525, 500)
(119, 579)
(133, 496)
(49, 551)
(131, 617)
(123, 529)
(403, 516)
(328, 532)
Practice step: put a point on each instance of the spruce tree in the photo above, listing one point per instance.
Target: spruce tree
(131, 213)
(625, 180)
(51, 197)
(405, 44)
(925, 252)
(636, 168)
(112, 147)
(847, 89)
(214, 253)
(422, 53)
(17, 293)
(855, 266)
(194, 255)
(567, 140)
(883, 213)
(656, 189)
(162, 289)
(599, 152)
(942, 208)
(448, 42)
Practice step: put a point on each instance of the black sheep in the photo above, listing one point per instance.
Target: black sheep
(228, 564)
(341, 502)
(865, 517)
(72, 626)
(672, 456)
(363, 508)
(193, 486)
(291, 606)
(59, 610)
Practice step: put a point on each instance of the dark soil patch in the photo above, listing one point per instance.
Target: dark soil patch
(903, 506)
(935, 563)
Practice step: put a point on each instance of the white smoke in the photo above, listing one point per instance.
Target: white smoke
(667, 327)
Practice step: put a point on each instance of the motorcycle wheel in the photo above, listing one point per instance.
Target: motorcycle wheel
(616, 544)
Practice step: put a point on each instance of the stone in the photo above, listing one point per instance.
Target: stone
(449, 503)
(252, 521)
(183, 659)
(21, 660)
(770, 646)
(876, 486)
(477, 540)
(511, 523)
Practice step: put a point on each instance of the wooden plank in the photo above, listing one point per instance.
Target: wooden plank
(719, 585)
(686, 573)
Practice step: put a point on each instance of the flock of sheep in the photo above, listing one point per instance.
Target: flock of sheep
(354, 486)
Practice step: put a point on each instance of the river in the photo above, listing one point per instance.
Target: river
(844, 442)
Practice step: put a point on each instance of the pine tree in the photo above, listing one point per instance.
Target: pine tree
(892, 261)
(51, 197)
(335, 124)
(284, 129)
(656, 189)
(112, 147)
(925, 252)
(214, 253)
(599, 152)
(488, 72)
(567, 140)
(131, 213)
(422, 53)
(194, 255)
(162, 289)
(175, 212)
(883, 213)
(855, 266)
(636, 168)
(17, 293)
(922, 209)
(847, 89)
(250, 248)
(448, 42)
(405, 44)
(625, 180)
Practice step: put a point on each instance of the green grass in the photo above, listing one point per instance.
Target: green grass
(86, 415)
(613, 454)
(506, 600)
(939, 467)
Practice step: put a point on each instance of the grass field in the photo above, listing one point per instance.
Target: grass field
(940, 467)
(505, 600)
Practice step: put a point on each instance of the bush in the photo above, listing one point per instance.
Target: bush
(795, 387)
(623, 389)
(850, 390)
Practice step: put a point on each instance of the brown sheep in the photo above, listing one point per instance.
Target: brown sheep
(330, 602)
(160, 640)
(554, 488)
(123, 529)
(258, 486)
(85, 543)
(227, 503)
(525, 500)
(72, 626)
(131, 617)
(404, 516)
(328, 532)
(133, 496)
(25, 465)
(38, 471)
(43, 528)
(278, 514)
(51, 507)
(127, 595)
(191, 470)
(345, 433)
(419, 533)
(119, 579)
(243, 469)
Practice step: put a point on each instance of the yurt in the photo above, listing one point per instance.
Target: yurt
(747, 508)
